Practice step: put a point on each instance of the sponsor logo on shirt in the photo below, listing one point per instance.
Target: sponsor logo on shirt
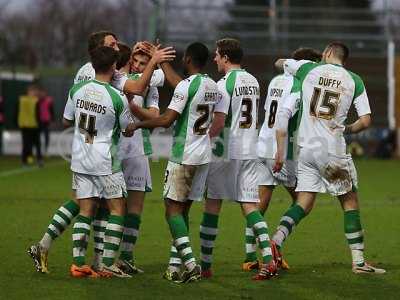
(178, 97)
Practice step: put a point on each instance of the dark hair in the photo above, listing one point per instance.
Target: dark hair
(340, 50)
(231, 48)
(124, 55)
(96, 39)
(307, 54)
(198, 52)
(103, 58)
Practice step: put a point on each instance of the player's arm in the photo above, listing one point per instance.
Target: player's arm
(69, 112)
(152, 110)
(363, 109)
(290, 66)
(175, 108)
(138, 87)
(286, 111)
(172, 77)
(217, 124)
(220, 110)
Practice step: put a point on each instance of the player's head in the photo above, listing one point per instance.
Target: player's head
(102, 38)
(228, 52)
(104, 59)
(195, 57)
(124, 55)
(304, 53)
(139, 61)
(335, 52)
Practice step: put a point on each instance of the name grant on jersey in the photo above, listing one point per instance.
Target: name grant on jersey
(247, 91)
(90, 106)
(329, 82)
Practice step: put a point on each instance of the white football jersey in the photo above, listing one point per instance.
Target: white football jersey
(194, 99)
(139, 144)
(278, 89)
(87, 72)
(100, 112)
(327, 92)
(240, 94)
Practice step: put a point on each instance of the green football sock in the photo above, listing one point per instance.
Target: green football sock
(131, 233)
(179, 233)
(99, 229)
(208, 234)
(259, 226)
(354, 235)
(112, 238)
(61, 219)
(80, 239)
(289, 220)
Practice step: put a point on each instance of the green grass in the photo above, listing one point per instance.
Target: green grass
(317, 251)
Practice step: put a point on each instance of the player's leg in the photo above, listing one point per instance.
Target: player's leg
(355, 234)
(293, 216)
(247, 180)
(114, 191)
(80, 238)
(60, 221)
(137, 176)
(251, 262)
(132, 222)
(99, 228)
(208, 233)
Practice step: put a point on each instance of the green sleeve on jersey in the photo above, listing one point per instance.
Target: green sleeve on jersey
(304, 70)
(230, 82)
(77, 86)
(358, 85)
(180, 129)
(119, 108)
(134, 76)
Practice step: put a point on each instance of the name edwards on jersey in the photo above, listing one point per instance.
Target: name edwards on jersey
(88, 104)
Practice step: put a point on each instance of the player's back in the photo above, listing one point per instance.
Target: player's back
(244, 92)
(327, 91)
(279, 88)
(97, 109)
(191, 143)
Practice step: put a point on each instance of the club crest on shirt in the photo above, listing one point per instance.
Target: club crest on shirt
(178, 97)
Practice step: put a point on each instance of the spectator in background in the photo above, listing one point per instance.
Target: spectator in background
(46, 114)
(28, 122)
(1, 124)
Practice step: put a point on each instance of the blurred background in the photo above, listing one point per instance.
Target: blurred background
(45, 41)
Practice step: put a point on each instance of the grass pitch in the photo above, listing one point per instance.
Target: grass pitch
(317, 252)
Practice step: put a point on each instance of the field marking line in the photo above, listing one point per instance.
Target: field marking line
(22, 170)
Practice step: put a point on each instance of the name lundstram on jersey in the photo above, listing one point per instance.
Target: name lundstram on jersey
(247, 91)
(90, 106)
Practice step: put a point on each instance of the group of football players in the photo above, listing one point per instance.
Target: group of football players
(218, 152)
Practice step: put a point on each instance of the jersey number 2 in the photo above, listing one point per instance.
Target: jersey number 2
(88, 128)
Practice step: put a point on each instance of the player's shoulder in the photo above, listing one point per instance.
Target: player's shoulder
(78, 86)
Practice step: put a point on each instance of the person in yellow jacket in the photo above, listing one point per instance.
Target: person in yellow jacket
(28, 122)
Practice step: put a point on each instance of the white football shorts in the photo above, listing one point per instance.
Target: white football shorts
(325, 173)
(137, 174)
(234, 180)
(286, 177)
(104, 186)
(185, 182)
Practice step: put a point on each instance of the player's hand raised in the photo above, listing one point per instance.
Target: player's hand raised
(164, 54)
(144, 46)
